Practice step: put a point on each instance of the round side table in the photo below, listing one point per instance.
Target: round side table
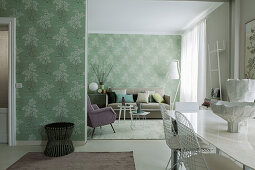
(59, 139)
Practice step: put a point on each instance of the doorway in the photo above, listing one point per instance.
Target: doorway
(8, 80)
(4, 83)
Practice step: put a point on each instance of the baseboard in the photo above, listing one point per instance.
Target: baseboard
(38, 143)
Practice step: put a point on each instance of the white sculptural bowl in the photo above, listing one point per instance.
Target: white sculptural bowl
(234, 112)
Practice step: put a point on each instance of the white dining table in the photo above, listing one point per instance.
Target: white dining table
(213, 129)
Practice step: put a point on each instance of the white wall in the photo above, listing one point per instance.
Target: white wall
(247, 14)
(218, 26)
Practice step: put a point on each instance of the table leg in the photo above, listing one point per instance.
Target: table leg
(174, 159)
(120, 113)
(217, 151)
(131, 116)
(124, 113)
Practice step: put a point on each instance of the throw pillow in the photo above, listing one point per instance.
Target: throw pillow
(111, 97)
(158, 98)
(135, 97)
(124, 91)
(142, 98)
(128, 98)
(150, 93)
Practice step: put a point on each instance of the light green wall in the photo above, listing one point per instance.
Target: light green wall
(50, 64)
(139, 60)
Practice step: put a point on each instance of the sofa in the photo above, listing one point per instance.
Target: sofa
(153, 107)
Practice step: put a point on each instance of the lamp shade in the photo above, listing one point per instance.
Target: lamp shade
(93, 86)
(173, 70)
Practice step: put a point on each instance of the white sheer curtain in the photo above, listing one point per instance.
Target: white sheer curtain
(193, 64)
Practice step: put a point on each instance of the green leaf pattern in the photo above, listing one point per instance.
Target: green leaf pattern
(50, 64)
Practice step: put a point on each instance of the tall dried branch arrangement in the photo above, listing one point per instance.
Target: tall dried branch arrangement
(102, 72)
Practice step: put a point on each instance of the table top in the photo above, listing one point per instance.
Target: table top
(140, 114)
(125, 106)
(212, 128)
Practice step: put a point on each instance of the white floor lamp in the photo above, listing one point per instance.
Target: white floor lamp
(174, 74)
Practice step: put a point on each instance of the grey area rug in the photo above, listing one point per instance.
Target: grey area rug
(76, 161)
(151, 129)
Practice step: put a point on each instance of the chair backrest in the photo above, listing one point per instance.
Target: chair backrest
(89, 106)
(187, 106)
(169, 129)
(191, 152)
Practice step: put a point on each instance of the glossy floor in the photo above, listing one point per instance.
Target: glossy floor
(148, 154)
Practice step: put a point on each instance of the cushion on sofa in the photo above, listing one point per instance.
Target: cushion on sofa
(121, 91)
(128, 98)
(142, 98)
(158, 98)
(135, 97)
(111, 97)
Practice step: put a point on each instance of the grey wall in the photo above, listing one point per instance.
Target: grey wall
(218, 29)
(247, 14)
(3, 69)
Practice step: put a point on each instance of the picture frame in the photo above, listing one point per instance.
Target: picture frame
(249, 58)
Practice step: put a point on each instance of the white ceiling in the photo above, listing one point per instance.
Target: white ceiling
(145, 16)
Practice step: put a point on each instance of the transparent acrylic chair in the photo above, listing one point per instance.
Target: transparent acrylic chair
(195, 159)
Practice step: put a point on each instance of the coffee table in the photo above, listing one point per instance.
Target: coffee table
(124, 108)
(138, 116)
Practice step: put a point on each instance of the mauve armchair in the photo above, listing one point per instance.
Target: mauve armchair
(99, 117)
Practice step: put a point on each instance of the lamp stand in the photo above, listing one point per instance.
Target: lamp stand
(175, 96)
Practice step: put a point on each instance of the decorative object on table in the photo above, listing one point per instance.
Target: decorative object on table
(174, 74)
(59, 139)
(100, 91)
(102, 72)
(234, 112)
(142, 98)
(215, 93)
(158, 98)
(93, 86)
(241, 90)
(99, 117)
(207, 102)
(123, 101)
(139, 108)
(249, 68)
(77, 160)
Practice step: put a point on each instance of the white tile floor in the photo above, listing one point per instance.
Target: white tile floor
(148, 154)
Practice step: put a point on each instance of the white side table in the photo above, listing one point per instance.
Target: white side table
(138, 115)
(124, 108)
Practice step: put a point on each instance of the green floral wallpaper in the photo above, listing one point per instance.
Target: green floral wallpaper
(139, 60)
(50, 64)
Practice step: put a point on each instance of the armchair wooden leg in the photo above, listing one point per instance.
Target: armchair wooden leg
(112, 128)
(93, 132)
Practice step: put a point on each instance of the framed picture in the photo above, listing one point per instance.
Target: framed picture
(249, 67)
